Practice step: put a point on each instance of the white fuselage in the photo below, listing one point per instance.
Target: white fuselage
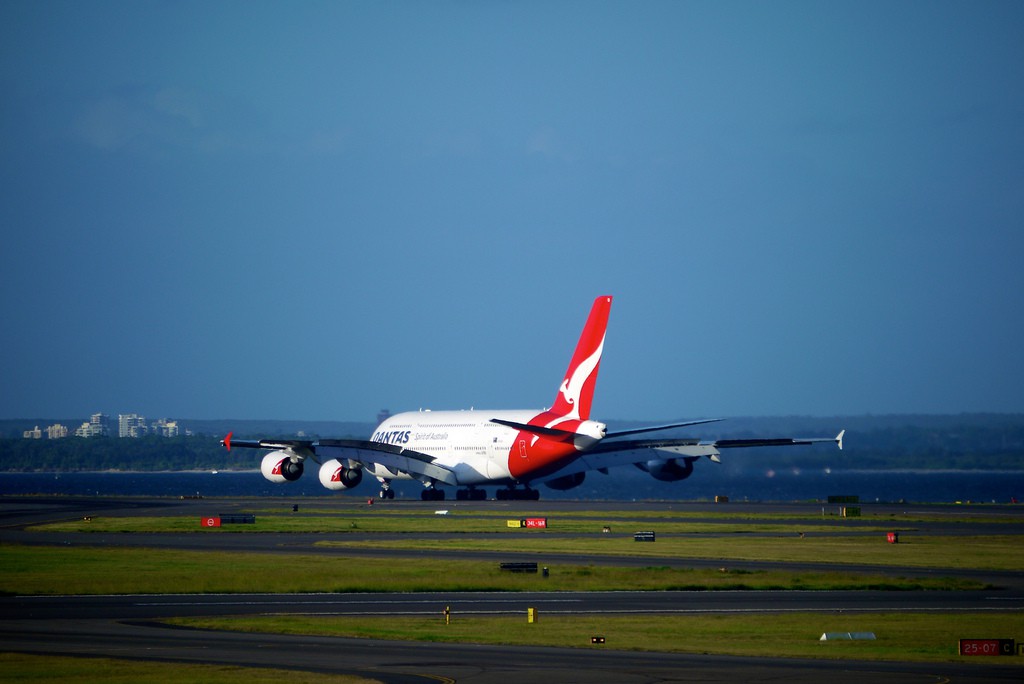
(475, 448)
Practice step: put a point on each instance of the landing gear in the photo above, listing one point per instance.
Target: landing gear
(432, 494)
(471, 494)
(513, 494)
(386, 492)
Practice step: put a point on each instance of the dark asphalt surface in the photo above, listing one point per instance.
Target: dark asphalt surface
(145, 606)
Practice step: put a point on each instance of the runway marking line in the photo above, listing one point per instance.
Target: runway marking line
(322, 603)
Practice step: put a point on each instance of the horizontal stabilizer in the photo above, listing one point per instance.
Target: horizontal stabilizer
(554, 433)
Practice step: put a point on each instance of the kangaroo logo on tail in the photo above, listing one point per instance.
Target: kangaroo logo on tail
(576, 394)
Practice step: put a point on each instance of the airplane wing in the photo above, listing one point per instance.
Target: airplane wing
(394, 458)
(656, 428)
(611, 453)
(391, 456)
(785, 441)
(294, 444)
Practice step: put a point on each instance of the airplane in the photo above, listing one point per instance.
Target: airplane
(512, 449)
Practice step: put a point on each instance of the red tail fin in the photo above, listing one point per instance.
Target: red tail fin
(576, 394)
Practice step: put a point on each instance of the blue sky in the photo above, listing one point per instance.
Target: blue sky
(313, 210)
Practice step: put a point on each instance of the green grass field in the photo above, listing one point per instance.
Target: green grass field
(899, 636)
(86, 570)
(63, 569)
(795, 540)
(1001, 552)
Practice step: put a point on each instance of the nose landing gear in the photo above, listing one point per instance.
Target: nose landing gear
(386, 492)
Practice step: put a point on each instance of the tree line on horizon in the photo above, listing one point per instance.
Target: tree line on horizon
(969, 443)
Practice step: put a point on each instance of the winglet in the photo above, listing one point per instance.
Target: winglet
(227, 441)
(839, 439)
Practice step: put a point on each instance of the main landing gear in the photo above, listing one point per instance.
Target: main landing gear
(471, 494)
(386, 492)
(432, 494)
(513, 494)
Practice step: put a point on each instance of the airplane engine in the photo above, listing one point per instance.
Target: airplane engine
(279, 466)
(671, 470)
(568, 482)
(335, 476)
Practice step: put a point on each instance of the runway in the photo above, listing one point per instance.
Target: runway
(156, 606)
(126, 625)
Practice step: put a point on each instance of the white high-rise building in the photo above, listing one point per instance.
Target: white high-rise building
(96, 427)
(166, 428)
(131, 425)
(57, 431)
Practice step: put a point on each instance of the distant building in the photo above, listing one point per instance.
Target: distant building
(33, 434)
(131, 425)
(166, 428)
(96, 427)
(383, 415)
(57, 431)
